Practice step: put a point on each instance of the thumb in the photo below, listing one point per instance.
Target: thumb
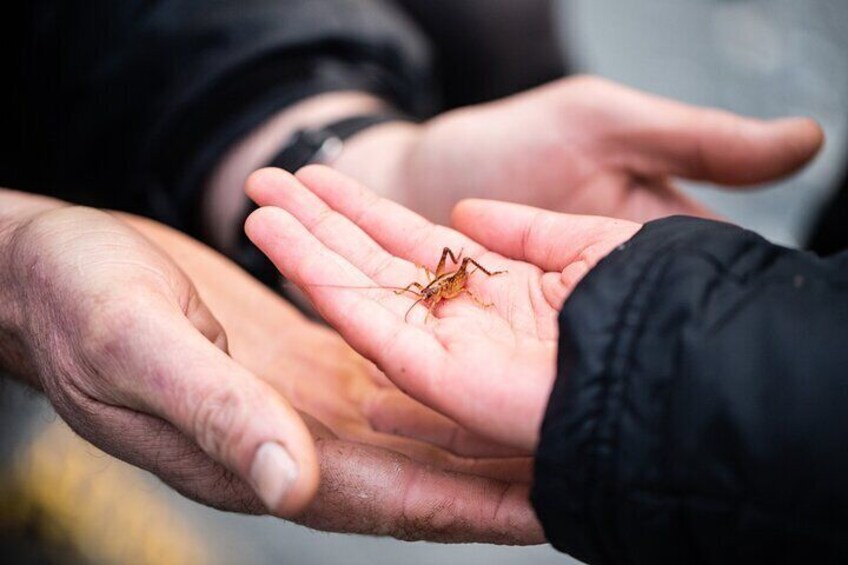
(233, 416)
(549, 240)
(662, 137)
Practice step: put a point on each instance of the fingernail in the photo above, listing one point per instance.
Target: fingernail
(273, 473)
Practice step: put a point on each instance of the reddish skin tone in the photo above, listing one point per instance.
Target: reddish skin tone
(116, 335)
(388, 464)
(489, 369)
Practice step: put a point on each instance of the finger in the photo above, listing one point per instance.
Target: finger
(337, 236)
(512, 469)
(550, 240)
(275, 187)
(409, 353)
(663, 137)
(397, 229)
(398, 497)
(234, 417)
(392, 412)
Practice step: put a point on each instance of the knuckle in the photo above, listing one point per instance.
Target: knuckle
(215, 422)
(325, 219)
(30, 249)
(536, 233)
(591, 256)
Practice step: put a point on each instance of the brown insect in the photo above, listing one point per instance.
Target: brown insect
(442, 285)
(445, 284)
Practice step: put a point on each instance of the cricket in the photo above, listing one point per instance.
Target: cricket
(445, 284)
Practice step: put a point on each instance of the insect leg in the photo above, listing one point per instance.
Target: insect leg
(409, 289)
(426, 272)
(479, 267)
(446, 252)
(477, 300)
(430, 310)
(414, 304)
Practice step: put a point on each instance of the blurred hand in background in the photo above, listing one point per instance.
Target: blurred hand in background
(580, 145)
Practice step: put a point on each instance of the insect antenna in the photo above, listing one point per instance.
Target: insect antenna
(414, 304)
(348, 287)
(396, 289)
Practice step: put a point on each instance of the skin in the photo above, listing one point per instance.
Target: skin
(489, 369)
(388, 464)
(580, 145)
(116, 335)
(118, 339)
(97, 316)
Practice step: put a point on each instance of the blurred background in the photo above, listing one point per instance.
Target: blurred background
(766, 58)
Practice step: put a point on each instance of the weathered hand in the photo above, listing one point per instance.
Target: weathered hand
(488, 368)
(119, 340)
(579, 145)
(388, 464)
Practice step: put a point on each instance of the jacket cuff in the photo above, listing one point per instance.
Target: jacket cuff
(577, 489)
(194, 145)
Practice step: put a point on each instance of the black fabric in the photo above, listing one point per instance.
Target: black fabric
(130, 104)
(830, 234)
(305, 146)
(297, 153)
(488, 49)
(700, 414)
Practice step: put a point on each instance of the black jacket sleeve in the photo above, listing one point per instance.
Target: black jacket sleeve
(700, 413)
(135, 100)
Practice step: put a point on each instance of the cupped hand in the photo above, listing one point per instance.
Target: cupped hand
(487, 363)
(120, 341)
(388, 464)
(580, 145)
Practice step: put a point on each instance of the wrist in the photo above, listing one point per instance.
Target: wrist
(379, 158)
(224, 202)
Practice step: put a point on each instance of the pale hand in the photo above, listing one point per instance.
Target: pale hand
(490, 368)
(580, 145)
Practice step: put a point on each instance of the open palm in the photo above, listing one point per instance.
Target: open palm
(487, 363)
(422, 476)
(581, 145)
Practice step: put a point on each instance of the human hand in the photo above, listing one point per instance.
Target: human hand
(119, 340)
(389, 465)
(488, 368)
(580, 145)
